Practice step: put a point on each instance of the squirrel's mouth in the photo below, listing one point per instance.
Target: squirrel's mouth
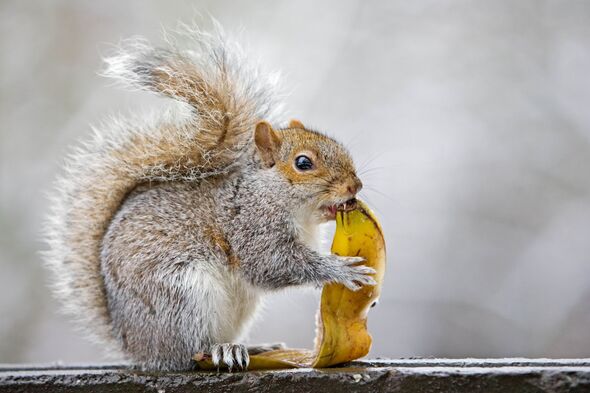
(329, 211)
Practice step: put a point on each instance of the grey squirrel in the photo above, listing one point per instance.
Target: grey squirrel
(167, 230)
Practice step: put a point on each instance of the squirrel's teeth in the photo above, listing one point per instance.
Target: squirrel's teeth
(347, 206)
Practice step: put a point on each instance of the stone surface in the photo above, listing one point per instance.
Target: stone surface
(379, 375)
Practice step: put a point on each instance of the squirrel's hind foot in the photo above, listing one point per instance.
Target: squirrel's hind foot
(234, 356)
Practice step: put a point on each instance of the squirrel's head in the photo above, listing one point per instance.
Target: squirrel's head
(318, 169)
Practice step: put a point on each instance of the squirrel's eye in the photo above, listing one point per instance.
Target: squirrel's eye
(303, 163)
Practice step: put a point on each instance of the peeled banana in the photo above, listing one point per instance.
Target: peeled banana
(342, 333)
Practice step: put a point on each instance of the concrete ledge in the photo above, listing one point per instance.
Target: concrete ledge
(379, 375)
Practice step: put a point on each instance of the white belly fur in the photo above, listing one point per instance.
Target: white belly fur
(226, 302)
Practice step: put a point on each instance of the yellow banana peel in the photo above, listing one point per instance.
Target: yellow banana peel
(341, 334)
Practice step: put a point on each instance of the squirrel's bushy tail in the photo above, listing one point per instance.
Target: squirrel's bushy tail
(223, 95)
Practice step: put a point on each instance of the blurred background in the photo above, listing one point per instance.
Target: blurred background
(471, 119)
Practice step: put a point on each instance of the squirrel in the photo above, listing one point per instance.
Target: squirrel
(167, 230)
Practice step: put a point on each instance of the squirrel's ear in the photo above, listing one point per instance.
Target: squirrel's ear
(267, 141)
(296, 124)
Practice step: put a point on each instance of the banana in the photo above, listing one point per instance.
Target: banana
(342, 328)
(342, 333)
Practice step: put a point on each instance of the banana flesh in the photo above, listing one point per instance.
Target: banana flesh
(342, 333)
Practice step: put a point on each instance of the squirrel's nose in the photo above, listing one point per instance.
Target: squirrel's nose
(354, 185)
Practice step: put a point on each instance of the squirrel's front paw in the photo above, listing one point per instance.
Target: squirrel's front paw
(232, 355)
(353, 275)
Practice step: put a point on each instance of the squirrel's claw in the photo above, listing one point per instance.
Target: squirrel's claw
(350, 260)
(232, 355)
